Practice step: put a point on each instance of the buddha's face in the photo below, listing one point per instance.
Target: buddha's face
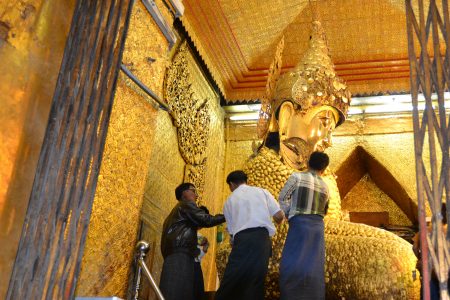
(302, 133)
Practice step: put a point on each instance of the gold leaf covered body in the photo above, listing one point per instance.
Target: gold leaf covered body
(362, 262)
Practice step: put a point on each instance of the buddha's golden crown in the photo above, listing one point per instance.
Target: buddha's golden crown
(313, 82)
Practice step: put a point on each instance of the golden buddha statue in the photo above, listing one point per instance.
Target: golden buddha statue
(298, 116)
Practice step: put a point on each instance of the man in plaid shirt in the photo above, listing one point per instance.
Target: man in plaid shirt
(304, 200)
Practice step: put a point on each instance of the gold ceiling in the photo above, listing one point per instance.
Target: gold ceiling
(237, 40)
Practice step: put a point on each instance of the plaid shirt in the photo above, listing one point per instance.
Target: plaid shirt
(304, 193)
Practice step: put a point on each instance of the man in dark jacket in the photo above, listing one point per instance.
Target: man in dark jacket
(179, 245)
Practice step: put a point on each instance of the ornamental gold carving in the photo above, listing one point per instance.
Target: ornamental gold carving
(190, 116)
(266, 112)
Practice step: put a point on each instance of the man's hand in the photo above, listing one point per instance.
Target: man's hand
(204, 243)
(279, 217)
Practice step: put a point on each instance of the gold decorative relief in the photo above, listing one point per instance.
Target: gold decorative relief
(190, 116)
(196, 175)
(266, 112)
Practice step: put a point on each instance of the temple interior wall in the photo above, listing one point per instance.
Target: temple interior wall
(366, 196)
(141, 163)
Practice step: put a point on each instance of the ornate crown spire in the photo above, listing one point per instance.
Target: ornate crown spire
(313, 82)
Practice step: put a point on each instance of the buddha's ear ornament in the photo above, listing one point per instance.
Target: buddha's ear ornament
(266, 111)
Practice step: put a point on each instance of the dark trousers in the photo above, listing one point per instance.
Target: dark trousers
(247, 266)
(434, 288)
(181, 278)
(199, 284)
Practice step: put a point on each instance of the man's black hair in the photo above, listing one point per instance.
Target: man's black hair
(273, 141)
(181, 188)
(318, 161)
(237, 177)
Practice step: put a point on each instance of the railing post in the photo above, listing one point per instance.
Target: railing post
(142, 249)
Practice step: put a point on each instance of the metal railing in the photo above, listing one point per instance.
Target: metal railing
(144, 88)
(142, 249)
(428, 25)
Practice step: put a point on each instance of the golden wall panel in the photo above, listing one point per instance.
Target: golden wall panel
(237, 153)
(365, 196)
(115, 214)
(165, 173)
(30, 57)
(394, 151)
(242, 131)
(117, 205)
(146, 43)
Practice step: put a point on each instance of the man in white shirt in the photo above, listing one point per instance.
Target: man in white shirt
(248, 212)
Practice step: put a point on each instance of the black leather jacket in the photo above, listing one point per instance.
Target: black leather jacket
(180, 228)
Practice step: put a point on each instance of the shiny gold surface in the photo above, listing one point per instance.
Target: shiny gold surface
(366, 196)
(302, 133)
(30, 55)
(268, 167)
(165, 172)
(349, 272)
(394, 150)
(266, 113)
(309, 103)
(146, 57)
(191, 117)
(363, 262)
(215, 153)
(388, 141)
(313, 82)
(115, 217)
(118, 199)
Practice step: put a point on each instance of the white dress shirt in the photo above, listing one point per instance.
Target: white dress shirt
(250, 207)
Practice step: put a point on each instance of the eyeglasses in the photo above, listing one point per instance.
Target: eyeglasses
(193, 189)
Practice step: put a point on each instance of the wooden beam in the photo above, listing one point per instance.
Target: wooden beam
(55, 228)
